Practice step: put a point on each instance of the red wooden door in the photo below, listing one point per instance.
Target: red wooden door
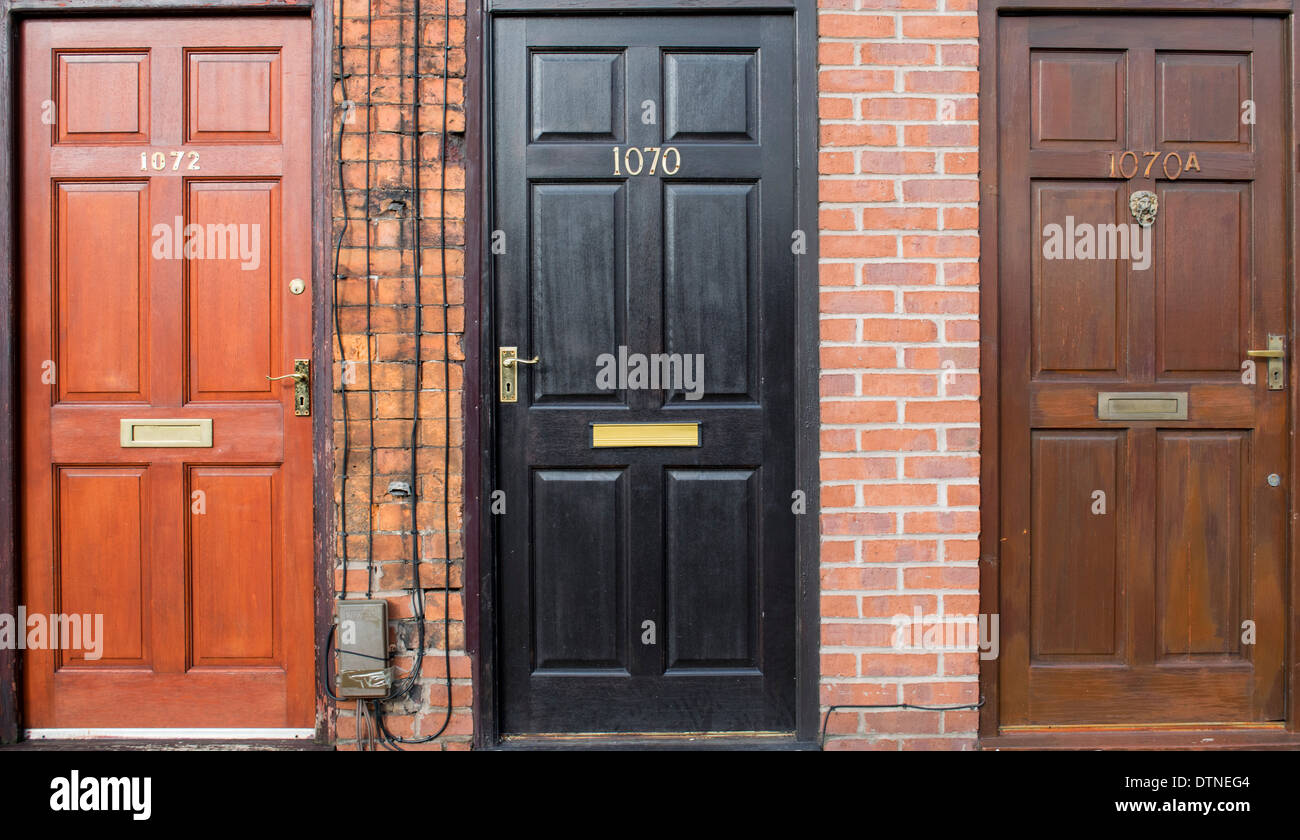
(1143, 559)
(165, 212)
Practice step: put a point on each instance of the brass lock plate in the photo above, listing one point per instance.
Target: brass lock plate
(1277, 364)
(508, 374)
(302, 387)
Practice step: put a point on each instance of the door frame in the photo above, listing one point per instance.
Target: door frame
(990, 12)
(481, 621)
(322, 15)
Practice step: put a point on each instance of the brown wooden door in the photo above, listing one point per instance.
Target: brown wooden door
(198, 557)
(1137, 556)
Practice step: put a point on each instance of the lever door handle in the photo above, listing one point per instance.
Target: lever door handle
(508, 372)
(301, 377)
(1276, 354)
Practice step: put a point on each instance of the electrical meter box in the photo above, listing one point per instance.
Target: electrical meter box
(361, 644)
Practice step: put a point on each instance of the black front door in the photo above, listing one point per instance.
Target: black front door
(644, 251)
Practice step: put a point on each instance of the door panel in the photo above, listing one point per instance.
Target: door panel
(646, 588)
(199, 558)
(1139, 556)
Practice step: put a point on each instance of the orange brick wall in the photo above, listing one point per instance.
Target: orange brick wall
(899, 364)
(388, 362)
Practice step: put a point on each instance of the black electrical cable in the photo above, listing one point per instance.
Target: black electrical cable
(370, 381)
(446, 369)
(404, 686)
(417, 590)
(328, 675)
(338, 323)
(374, 705)
(906, 706)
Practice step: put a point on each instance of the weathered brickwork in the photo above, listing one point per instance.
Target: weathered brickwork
(379, 99)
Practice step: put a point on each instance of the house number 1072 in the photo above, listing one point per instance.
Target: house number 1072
(632, 161)
(158, 160)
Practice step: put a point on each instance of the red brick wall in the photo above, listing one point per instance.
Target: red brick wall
(900, 364)
(391, 369)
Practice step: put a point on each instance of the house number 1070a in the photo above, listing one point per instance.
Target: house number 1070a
(631, 160)
(1119, 167)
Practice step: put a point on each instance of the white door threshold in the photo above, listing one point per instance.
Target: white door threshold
(168, 734)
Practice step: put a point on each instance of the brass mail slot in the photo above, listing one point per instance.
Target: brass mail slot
(644, 434)
(155, 433)
(1146, 405)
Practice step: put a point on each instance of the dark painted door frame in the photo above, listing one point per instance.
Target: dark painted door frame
(990, 11)
(321, 11)
(480, 546)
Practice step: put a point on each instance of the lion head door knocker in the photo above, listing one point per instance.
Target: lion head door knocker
(1143, 205)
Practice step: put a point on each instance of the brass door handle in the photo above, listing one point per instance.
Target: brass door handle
(301, 377)
(508, 373)
(1275, 354)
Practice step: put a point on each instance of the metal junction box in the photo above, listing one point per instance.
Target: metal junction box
(361, 643)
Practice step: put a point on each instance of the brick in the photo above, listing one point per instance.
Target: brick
(941, 467)
(858, 302)
(939, 190)
(858, 523)
(859, 135)
(855, 81)
(900, 218)
(898, 274)
(902, 109)
(896, 162)
(940, 26)
(848, 469)
(894, 53)
(898, 664)
(902, 329)
(855, 26)
(833, 358)
(859, 411)
(941, 81)
(840, 578)
(833, 247)
(856, 190)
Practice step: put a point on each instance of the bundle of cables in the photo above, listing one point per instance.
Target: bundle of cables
(372, 730)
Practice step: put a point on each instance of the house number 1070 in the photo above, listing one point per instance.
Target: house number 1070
(632, 161)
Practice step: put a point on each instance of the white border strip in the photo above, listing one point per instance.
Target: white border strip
(171, 734)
